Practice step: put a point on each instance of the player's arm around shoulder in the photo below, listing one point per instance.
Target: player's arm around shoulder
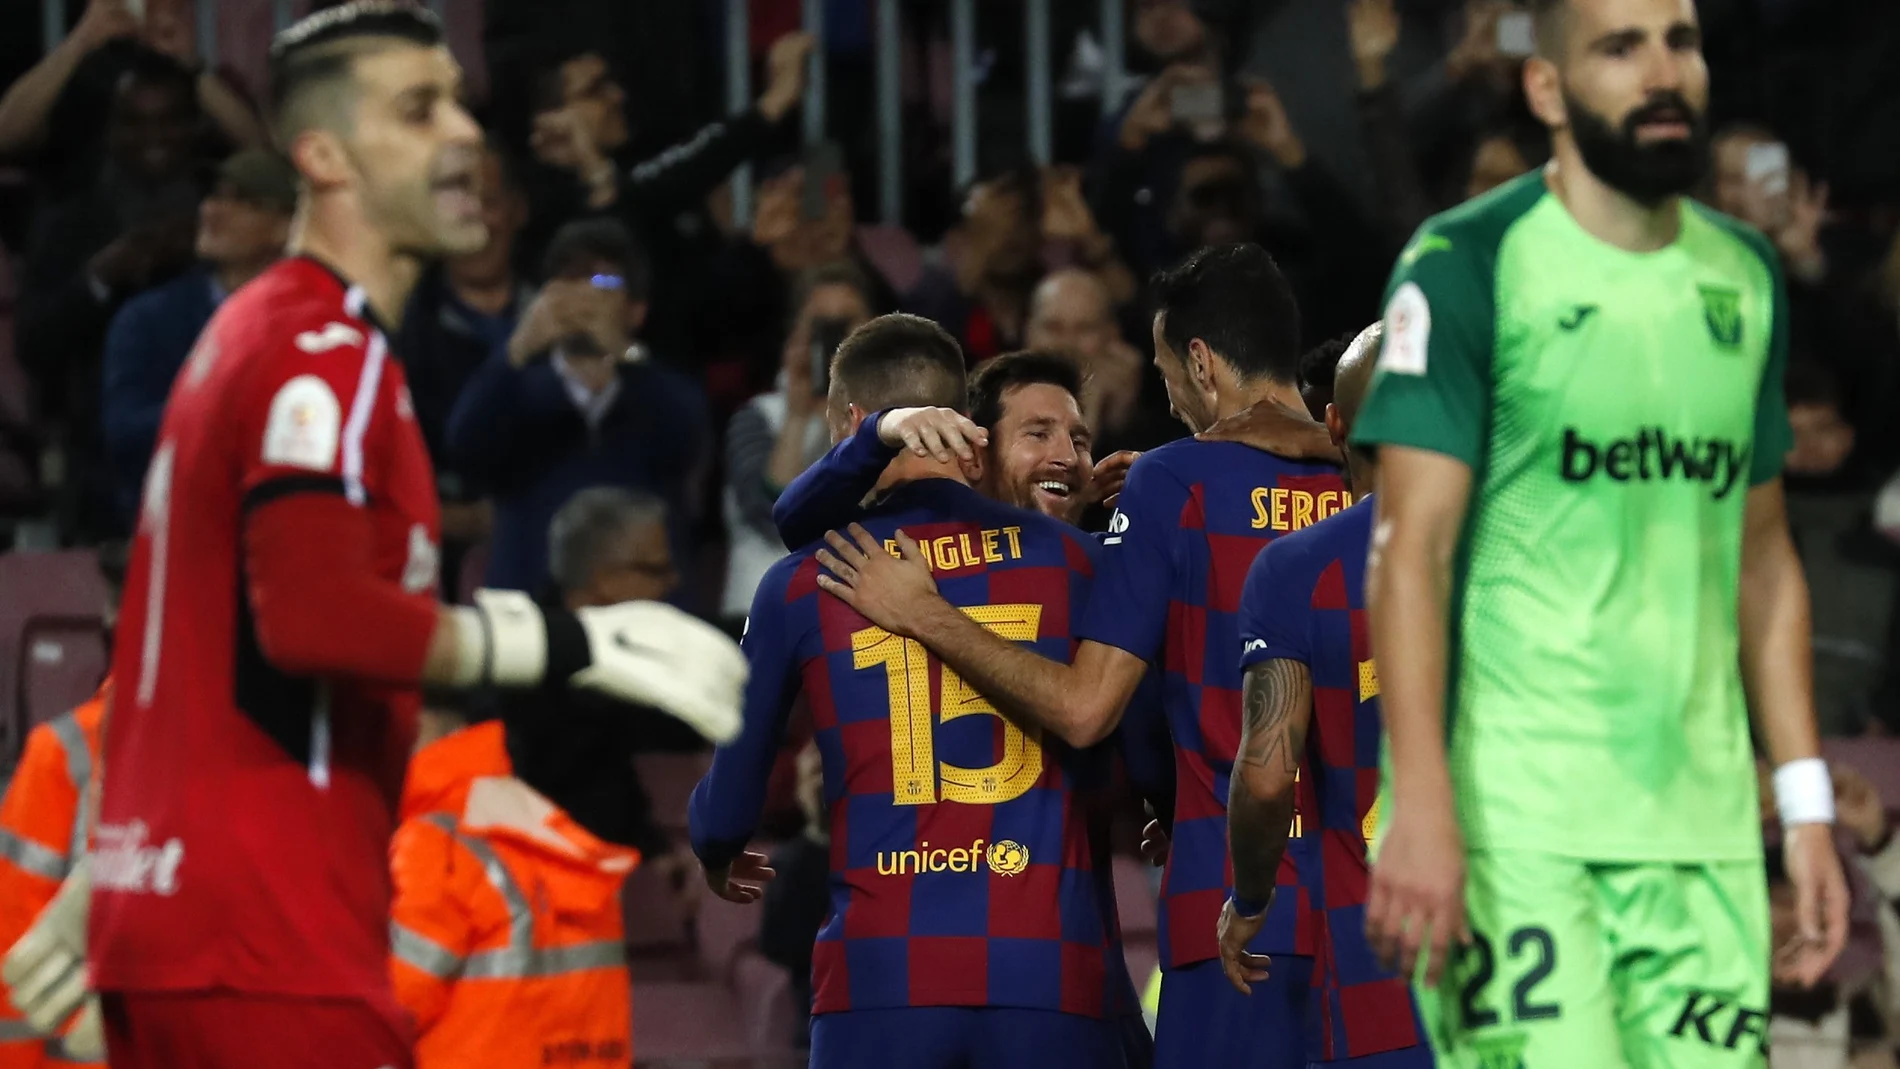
(1080, 703)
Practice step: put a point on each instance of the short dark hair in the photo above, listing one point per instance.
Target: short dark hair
(1233, 298)
(1029, 367)
(899, 361)
(314, 56)
(600, 239)
(1317, 366)
(584, 528)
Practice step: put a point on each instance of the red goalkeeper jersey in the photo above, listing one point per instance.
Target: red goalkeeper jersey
(275, 618)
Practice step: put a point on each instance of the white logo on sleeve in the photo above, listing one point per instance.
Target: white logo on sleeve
(1254, 644)
(332, 336)
(1117, 526)
(421, 571)
(1408, 331)
(304, 425)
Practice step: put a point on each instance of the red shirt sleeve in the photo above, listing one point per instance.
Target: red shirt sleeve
(315, 427)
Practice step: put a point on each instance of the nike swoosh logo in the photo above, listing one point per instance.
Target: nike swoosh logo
(1576, 318)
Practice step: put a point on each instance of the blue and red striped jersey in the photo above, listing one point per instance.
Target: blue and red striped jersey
(1189, 522)
(1305, 601)
(969, 855)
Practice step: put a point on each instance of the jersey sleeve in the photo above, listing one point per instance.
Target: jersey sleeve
(1774, 436)
(826, 495)
(315, 422)
(1432, 386)
(1135, 570)
(313, 416)
(1276, 608)
(725, 807)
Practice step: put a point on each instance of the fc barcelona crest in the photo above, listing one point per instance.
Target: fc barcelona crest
(1722, 311)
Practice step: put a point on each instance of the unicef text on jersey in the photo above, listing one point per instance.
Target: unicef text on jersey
(1654, 453)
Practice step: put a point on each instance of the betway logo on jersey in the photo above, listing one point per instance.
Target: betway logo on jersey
(121, 861)
(1654, 453)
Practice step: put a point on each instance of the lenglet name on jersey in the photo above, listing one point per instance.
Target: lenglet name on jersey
(991, 545)
(1654, 453)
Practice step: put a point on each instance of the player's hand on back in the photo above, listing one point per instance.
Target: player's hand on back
(939, 434)
(1277, 430)
(885, 590)
(1416, 903)
(1106, 481)
(1155, 842)
(1820, 905)
(743, 880)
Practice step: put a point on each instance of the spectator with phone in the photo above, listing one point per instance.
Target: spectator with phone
(573, 400)
(1757, 182)
(777, 435)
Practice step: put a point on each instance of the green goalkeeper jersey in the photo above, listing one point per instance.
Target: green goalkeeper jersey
(1615, 408)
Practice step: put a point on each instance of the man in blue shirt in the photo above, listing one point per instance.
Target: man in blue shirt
(242, 227)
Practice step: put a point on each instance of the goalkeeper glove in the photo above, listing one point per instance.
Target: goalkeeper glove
(45, 970)
(641, 652)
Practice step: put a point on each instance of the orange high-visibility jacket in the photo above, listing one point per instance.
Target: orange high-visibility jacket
(506, 934)
(43, 829)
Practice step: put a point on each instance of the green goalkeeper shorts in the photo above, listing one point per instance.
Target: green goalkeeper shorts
(1584, 965)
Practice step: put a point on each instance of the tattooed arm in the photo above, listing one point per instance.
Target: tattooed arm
(1277, 704)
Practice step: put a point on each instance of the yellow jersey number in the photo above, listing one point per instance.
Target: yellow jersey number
(915, 769)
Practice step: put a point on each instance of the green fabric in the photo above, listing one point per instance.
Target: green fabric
(1605, 966)
(1615, 408)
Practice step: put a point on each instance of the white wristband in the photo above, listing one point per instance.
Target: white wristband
(1804, 792)
(471, 646)
(517, 638)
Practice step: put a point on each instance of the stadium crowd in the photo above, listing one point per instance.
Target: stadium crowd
(616, 388)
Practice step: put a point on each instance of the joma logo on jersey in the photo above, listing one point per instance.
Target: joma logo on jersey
(1722, 311)
(1654, 453)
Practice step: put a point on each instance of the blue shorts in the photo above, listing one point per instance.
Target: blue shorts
(1204, 1021)
(959, 1037)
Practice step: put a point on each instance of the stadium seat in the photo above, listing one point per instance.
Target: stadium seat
(722, 931)
(655, 920)
(53, 610)
(1134, 897)
(764, 993)
(1876, 759)
(669, 779)
(63, 658)
(686, 1023)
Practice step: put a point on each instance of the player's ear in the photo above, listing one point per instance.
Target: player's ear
(320, 158)
(856, 420)
(1543, 89)
(1335, 425)
(1200, 365)
(636, 316)
(972, 468)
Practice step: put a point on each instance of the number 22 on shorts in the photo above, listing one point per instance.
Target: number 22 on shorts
(914, 766)
(1530, 949)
